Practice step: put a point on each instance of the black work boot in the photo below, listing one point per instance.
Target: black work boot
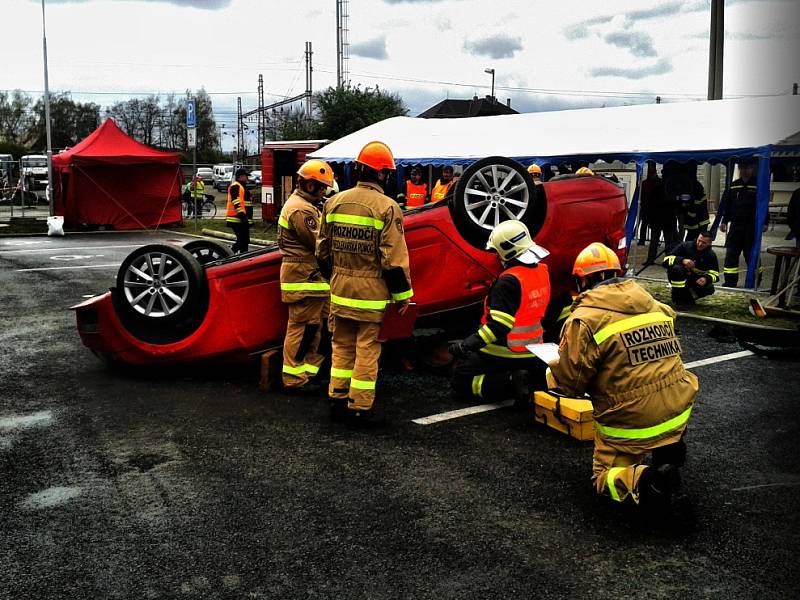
(521, 388)
(361, 419)
(657, 484)
(338, 407)
(307, 389)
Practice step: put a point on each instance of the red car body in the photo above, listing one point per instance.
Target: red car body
(245, 315)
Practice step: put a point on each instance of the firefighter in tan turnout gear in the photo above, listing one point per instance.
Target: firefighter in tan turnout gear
(362, 240)
(619, 346)
(303, 288)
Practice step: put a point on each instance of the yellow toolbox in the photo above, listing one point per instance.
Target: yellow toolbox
(572, 416)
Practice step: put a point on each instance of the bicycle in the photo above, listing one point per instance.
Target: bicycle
(208, 210)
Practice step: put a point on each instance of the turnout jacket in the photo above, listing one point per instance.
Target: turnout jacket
(362, 240)
(705, 262)
(513, 312)
(738, 204)
(298, 226)
(696, 210)
(619, 346)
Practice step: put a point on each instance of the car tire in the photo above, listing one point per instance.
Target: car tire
(206, 251)
(161, 285)
(492, 190)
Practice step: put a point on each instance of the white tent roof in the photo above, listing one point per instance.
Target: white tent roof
(699, 128)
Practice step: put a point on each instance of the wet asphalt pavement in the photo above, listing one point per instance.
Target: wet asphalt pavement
(193, 483)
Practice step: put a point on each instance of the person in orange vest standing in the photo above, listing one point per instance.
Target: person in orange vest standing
(493, 363)
(416, 191)
(362, 242)
(303, 288)
(239, 213)
(443, 185)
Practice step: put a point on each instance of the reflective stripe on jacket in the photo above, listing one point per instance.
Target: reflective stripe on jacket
(415, 194)
(298, 227)
(525, 325)
(619, 346)
(241, 205)
(361, 236)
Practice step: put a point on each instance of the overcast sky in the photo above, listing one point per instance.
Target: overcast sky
(548, 54)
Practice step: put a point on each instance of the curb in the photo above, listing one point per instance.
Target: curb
(730, 322)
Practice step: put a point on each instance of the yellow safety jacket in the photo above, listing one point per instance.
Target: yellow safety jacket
(362, 237)
(619, 346)
(298, 226)
(198, 190)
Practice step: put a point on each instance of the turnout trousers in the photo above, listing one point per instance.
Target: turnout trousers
(479, 376)
(301, 357)
(740, 240)
(616, 473)
(684, 284)
(356, 352)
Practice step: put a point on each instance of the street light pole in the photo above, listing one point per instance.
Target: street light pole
(47, 118)
(491, 71)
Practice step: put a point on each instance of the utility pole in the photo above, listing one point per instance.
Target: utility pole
(716, 49)
(309, 70)
(260, 126)
(47, 118)
(239, 129)
(715, 55)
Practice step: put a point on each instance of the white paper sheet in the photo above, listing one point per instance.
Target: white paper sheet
(546, 352)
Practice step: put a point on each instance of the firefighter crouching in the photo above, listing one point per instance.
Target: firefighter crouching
(362, 240)
(692, 269)
(619, 346)
(494, 363)
(303, 288)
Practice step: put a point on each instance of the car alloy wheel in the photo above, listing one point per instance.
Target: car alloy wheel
(494, 194)
(156, 285)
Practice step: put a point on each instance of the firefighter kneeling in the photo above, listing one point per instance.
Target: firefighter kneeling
(303, 287)
(494, 363)
(619, 347)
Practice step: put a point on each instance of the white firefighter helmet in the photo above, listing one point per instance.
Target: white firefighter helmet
(512, 241)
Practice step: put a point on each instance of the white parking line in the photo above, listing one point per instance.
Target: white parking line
(71, 248)
(718, 359)
(115, 265)
(480, 408)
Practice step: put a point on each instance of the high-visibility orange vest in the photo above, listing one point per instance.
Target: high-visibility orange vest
(415, 193)
(535, 285)
(238, 205)
(440, 190)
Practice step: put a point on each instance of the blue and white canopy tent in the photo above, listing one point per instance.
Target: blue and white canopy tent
(711, 131)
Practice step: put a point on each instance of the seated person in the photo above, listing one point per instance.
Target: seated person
(692, 269)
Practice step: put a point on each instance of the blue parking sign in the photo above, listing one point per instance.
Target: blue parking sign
(190, 114)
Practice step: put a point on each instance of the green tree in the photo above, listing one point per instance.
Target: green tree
(70, 122)
(14, 116)
(347, 109)
(139, 118)
(206, 131)
(290, 125)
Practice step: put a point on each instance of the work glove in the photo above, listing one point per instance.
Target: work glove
(457, 349)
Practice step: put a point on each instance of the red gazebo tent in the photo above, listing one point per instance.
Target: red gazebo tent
(111, 179)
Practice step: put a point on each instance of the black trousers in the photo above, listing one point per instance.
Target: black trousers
(671, 236)
(484, 377)
(740, 240)
(685, 287)
(242, 232)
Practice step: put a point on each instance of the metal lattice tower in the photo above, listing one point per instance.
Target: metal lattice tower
(342, 42)
(260, 125)
(239, 129)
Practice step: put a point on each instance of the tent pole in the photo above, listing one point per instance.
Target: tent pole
(762, 210)
(633, 212)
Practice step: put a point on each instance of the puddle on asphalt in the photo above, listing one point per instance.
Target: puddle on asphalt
(36, 419)
(51, 497)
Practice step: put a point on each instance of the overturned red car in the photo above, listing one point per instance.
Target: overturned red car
(176, 305)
